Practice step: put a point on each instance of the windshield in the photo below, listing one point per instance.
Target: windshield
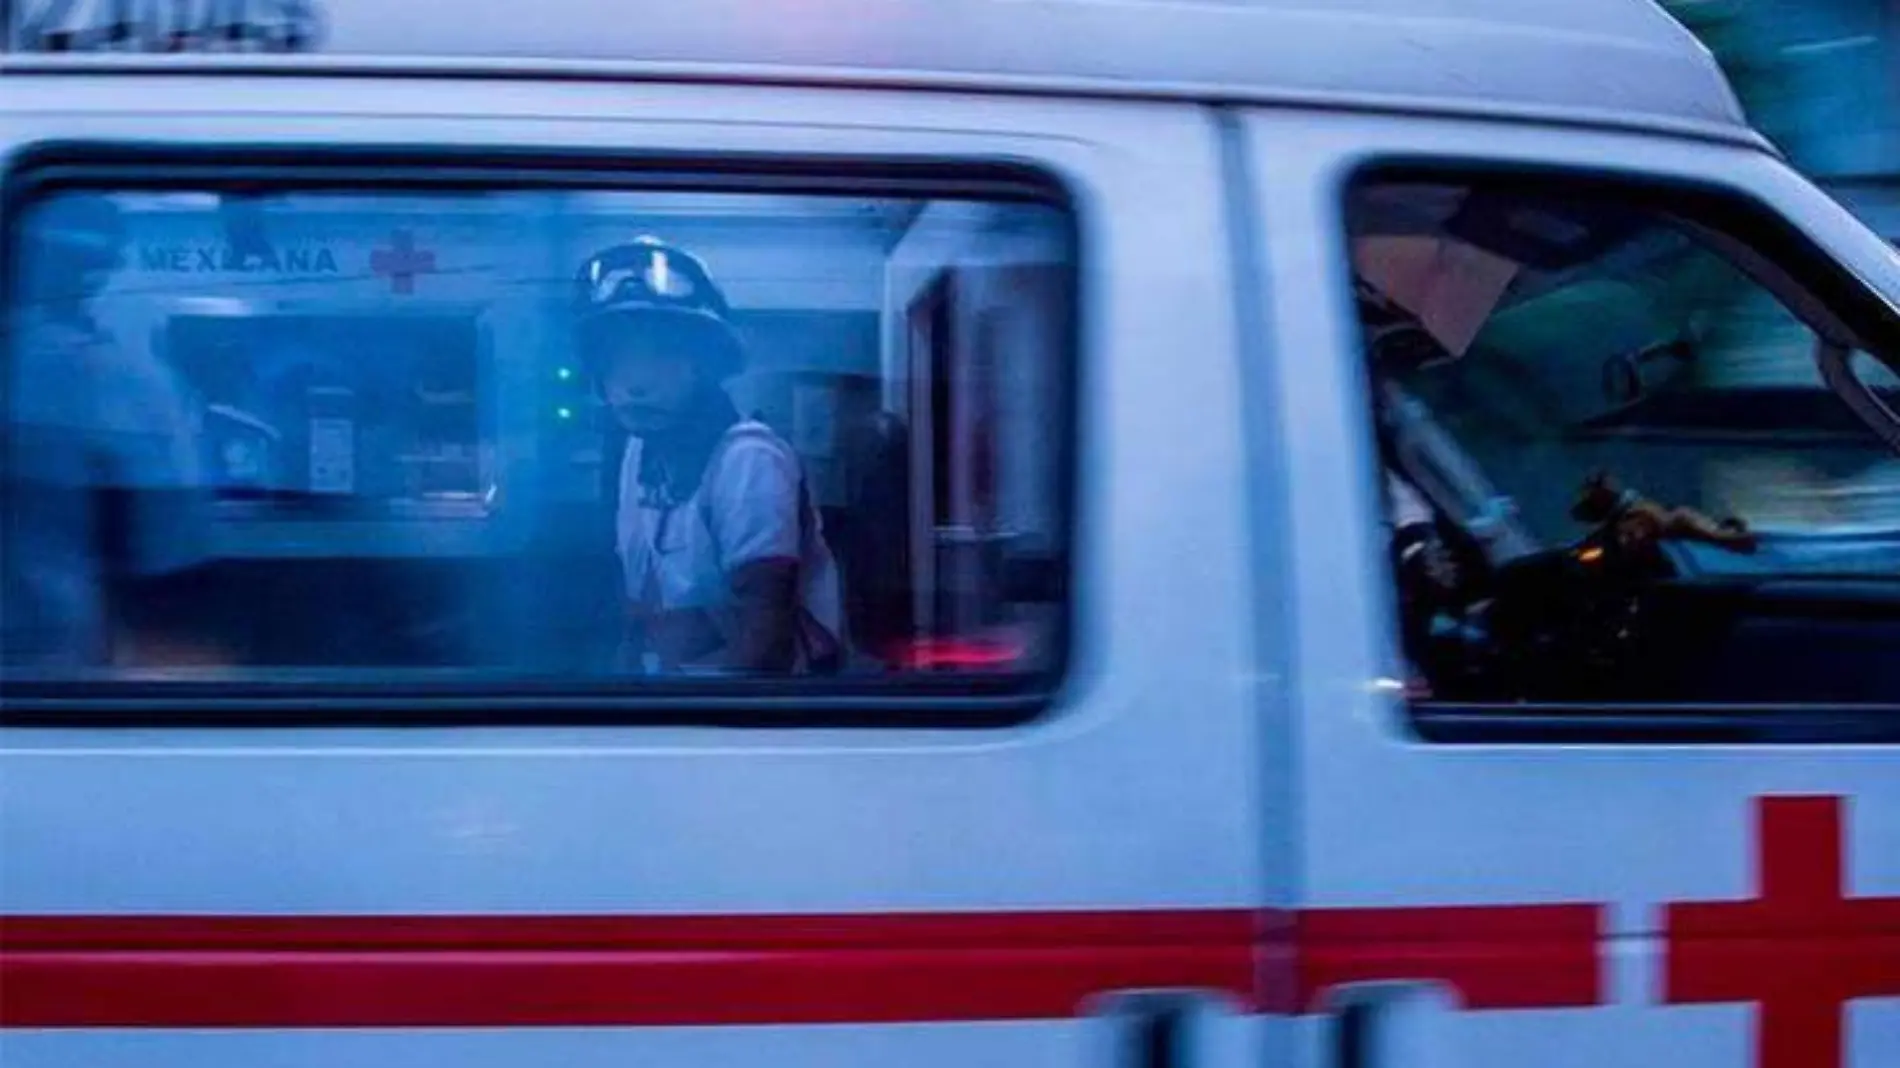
(1579, 340)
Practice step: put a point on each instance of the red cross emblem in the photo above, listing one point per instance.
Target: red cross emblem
(402, 262)
(1800, 950)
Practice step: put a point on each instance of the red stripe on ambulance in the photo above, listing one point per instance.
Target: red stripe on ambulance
(227, 971)
(1497, 957)
(577, 971)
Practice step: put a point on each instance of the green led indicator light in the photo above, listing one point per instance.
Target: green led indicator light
(564, 412)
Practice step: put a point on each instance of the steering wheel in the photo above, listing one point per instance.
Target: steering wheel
(1571, 622)
(1445, 581)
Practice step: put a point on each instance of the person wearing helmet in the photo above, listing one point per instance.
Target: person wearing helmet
(101, 476)
(724, 557)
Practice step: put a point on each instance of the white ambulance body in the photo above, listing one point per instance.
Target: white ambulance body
(1150, 777)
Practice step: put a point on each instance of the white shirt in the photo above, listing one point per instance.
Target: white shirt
(747, 508)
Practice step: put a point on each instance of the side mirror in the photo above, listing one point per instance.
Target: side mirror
(1836, 362)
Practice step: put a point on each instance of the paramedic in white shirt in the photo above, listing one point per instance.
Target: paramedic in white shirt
(724, 559)
(102, 481)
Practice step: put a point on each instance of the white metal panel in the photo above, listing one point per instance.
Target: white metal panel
(924, 1045)
(1389, 820)
(1090, 1043)
(1872, 1029)
(1137, 790)
(1394, 820)
(1607, 60)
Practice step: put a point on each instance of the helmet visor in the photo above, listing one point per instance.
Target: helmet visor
(641, 278)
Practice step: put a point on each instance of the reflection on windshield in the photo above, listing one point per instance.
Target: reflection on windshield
(1663, 361)
(1679, 451)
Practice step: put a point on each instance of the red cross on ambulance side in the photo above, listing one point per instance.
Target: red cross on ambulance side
(1799, 950)
(402, 262)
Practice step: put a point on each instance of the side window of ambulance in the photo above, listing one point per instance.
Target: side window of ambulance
(1626, 457)
(602, 438)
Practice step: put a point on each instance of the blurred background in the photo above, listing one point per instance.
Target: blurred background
(1751, 432)
(1822, 78)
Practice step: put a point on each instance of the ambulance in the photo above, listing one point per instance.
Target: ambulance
(1367, 534)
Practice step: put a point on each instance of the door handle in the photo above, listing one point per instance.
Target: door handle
(1164, 1028)
(1155, 1037)
(1352, 1027)
(1392, 1025)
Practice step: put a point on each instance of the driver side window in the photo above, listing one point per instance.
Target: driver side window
(1626, 460)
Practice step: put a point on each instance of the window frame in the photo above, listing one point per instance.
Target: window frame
(900, 702)
(1832, 300)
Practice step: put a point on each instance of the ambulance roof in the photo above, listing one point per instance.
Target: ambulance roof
(1620, 62)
